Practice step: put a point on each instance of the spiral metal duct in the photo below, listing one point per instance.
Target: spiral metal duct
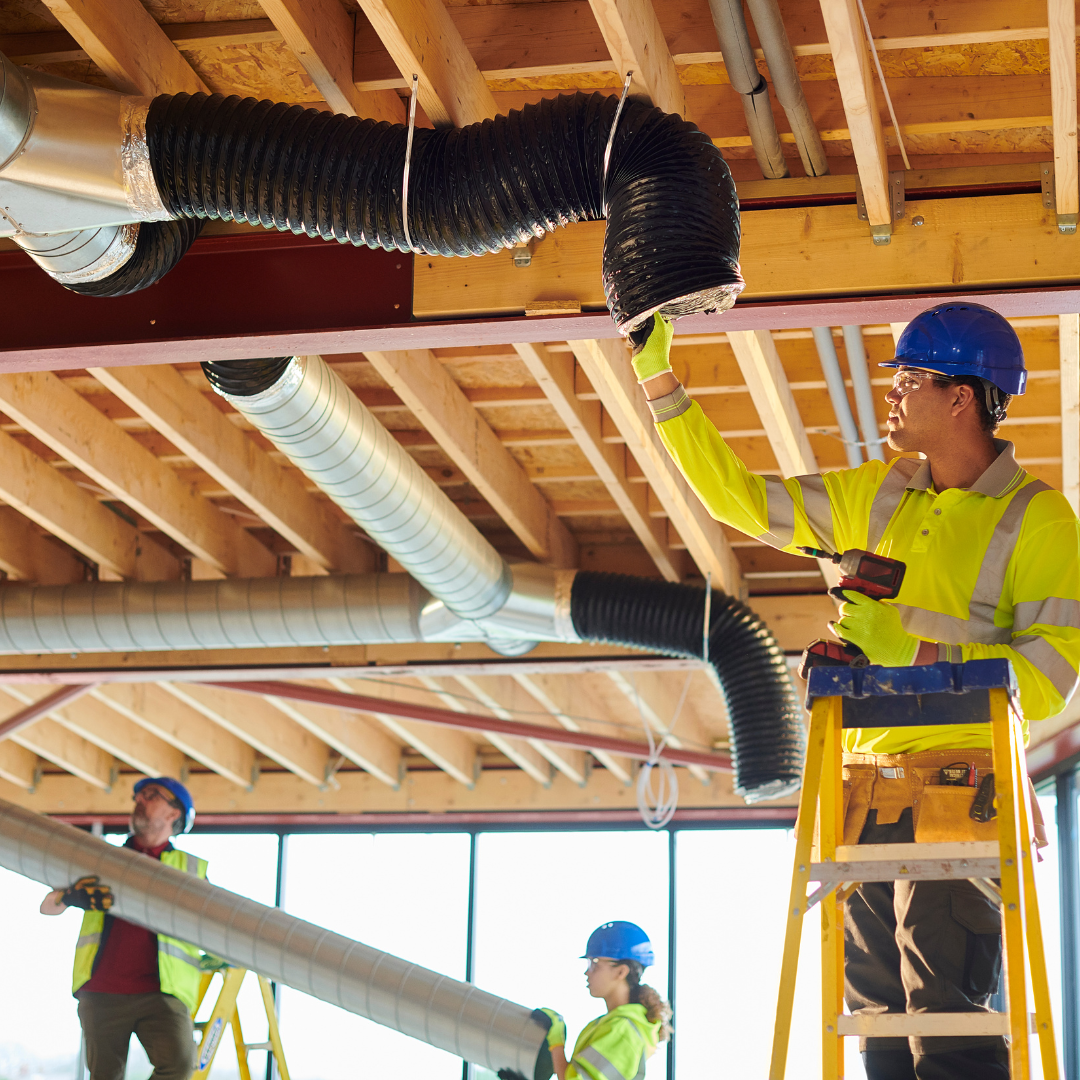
(306, 410)
(768, 742)
(451, 1015)
(672, 241)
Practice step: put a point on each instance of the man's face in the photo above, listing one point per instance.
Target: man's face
(155, 808)
(920, 409)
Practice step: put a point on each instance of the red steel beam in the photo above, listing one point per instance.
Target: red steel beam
(37, 709)
(472, 722)
(270, 294)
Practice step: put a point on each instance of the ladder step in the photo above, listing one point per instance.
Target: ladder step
(906, 870)
(958, 849)
(259, 1046)
(924, 1024)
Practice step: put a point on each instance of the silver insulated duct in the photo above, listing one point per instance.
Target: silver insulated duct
(451, 1015)
(306, 410)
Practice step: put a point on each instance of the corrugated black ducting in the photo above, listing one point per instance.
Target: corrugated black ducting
(768, 740)
(159, 246)
(245, 378)
(672, 241)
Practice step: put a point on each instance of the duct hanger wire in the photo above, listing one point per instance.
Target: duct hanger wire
(658, 807)
(611, 142)
(884, 87)
(408, 160)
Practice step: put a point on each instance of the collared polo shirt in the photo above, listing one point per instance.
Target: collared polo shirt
(992, 570)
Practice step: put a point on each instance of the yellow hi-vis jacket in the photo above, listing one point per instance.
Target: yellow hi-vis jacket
(178, 962)
(992, 571)
(614, 1046)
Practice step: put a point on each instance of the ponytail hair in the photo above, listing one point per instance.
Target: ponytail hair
(657, 1010)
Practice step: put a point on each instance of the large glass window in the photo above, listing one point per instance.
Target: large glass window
(408, 894)
(539, 896)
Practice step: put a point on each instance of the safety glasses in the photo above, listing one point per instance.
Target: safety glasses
(148, 794)
(907, 382)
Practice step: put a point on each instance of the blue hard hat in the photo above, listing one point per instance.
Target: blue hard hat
(620, 941)
(179, 792)
(964, 339)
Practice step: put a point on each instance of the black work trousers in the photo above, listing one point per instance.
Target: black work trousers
(922, 946)
(159, 1021)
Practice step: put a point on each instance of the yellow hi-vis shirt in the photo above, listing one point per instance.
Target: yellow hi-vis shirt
(992, 571)
(614, 1046)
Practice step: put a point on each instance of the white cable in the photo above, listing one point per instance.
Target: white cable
(885, 89)
(408, 160)
(611, 142)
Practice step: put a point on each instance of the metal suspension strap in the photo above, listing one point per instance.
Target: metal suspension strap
(408, 161)
(611, 142)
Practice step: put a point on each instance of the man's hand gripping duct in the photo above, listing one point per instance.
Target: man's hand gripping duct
(81, 159)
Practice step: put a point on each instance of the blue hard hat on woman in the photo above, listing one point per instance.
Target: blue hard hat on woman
(620, 941)
(960, 339)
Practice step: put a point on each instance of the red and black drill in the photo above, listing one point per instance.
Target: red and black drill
(861, 571)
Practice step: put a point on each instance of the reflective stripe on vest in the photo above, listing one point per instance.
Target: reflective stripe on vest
(887, 499)
(178, 961)
(606, 1067)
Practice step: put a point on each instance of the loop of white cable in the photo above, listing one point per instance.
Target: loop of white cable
(884, 88)
(408, 160)
(611, 142)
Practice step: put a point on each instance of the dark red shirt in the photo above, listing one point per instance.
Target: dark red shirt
(127, 958)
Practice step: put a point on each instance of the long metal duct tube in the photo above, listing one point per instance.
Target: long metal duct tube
(864, 394)
(748, 82)
(780, 59)
(453, 1016)
(672, 241)
(834, 379)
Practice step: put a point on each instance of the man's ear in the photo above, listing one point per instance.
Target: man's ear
(963, 398)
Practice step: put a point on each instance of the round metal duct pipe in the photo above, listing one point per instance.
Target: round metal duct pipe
(451, 1015)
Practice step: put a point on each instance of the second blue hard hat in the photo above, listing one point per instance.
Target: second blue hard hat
(179, 792)
(620, 941)
(964, 339)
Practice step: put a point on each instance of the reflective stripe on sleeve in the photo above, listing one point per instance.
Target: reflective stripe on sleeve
(887, 498)
(88, 939)
(170, 949)
(1041, 654)
(670, 405)
(781, 508)
(1053, 611)
(818, 508)
(934, 626)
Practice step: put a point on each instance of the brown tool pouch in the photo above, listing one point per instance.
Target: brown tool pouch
(945, 815)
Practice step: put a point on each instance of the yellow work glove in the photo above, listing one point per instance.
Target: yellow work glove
(876, 629)
(556, 1035)
(651, 358)
(89, 894)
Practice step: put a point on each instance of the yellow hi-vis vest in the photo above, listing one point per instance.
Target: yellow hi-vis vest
(615, 1046)
(993, 571)
(178, 962)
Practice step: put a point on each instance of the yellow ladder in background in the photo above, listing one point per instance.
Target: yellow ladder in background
(225, 1012)
(841, 869)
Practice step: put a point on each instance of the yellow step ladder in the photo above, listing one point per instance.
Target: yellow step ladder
(225, 1012)
(978, 691)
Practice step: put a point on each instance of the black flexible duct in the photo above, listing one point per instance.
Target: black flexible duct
(768, 741)
(672, 240)
(158, 248)
(245, 378)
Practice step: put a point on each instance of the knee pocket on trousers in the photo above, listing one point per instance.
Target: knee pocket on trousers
(982, 957)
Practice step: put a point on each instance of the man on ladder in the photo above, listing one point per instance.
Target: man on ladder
(993, 570)
(129, 980)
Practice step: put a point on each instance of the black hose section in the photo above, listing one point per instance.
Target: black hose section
(672, 240)
(159, 246)
(768, 740)
(245, 378)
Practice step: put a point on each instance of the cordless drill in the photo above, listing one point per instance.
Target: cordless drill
(861, 571)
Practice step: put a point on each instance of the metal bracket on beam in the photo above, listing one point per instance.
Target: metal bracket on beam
(882, 234)
(1066, 223)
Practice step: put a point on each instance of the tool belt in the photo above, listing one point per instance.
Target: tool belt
(940, 812)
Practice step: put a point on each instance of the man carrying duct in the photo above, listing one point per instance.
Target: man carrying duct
(129, 980)
(993, 570)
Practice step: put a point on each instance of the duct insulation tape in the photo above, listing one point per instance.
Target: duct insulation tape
(672, 239)
(768, 741)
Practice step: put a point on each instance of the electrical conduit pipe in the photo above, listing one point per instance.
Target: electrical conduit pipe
(453, 1016)
(864, 394)
(834, 379)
